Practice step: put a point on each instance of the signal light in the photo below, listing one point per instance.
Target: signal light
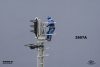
(35, 26)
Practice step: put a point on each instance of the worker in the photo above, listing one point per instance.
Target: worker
(51, 26)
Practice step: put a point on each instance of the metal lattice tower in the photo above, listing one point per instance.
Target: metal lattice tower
(40, 41)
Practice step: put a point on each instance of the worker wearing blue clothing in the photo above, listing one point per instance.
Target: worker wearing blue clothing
(51, 26)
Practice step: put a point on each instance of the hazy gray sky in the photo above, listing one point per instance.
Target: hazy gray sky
(73, 17)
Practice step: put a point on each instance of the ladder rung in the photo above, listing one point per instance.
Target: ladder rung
(41, 63)
(40, 56)
(43, 55)
(48, 22)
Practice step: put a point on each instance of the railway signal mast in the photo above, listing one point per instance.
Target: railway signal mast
(41, 36)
